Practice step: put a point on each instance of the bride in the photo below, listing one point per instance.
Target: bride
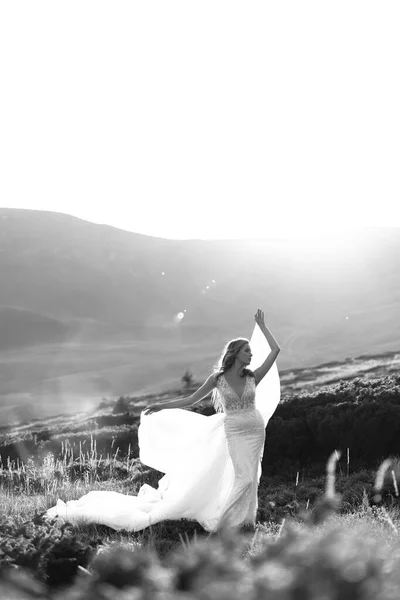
(212, 464)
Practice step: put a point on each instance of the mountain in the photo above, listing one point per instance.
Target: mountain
(20, 327)
(88, 310)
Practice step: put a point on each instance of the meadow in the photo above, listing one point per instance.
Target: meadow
(324, 530)
(53, 378)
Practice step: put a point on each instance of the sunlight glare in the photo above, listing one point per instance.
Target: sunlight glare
(321, 241)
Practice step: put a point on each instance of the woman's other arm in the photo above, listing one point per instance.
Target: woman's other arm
(198, 395)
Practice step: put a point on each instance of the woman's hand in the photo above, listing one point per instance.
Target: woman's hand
(259, 318)
(152, 408)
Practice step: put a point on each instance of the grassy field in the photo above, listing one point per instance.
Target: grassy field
(333, 544)
(325, 535)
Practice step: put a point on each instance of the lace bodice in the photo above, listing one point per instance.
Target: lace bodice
(229, 401)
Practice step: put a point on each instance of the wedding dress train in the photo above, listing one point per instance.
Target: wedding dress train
(212, 464)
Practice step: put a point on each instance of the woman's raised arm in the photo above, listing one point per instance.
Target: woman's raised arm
(273, 344)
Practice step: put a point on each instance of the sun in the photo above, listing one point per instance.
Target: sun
(318, 244)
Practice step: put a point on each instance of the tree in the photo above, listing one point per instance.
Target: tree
(187, 379)
(121, 406)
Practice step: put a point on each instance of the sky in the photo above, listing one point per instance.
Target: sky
(209, 119)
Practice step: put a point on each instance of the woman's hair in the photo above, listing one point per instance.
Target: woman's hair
(226, 361)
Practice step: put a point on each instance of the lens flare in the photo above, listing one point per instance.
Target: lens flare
(179, 317)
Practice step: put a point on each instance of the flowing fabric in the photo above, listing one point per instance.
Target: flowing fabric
(212, 464)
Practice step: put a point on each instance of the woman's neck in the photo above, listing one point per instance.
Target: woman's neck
(237, 370)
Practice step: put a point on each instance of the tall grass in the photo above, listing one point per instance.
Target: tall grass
(317, 554)
(35, 485)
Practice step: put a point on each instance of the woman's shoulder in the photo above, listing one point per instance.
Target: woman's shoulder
(249, 373)
(217, 377)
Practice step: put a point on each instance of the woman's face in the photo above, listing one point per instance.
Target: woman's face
(244, 354)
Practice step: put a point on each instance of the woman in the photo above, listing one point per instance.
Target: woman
(212, 465)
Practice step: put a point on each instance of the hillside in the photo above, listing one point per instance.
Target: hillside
(20, 327)
(89, 310)
(306, 427)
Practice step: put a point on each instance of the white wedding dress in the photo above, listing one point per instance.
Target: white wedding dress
(212, 464)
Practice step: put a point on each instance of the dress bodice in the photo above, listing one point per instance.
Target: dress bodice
(229, 400)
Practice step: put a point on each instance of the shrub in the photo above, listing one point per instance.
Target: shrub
(122, 405)
(188, 379)
(51, 552)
